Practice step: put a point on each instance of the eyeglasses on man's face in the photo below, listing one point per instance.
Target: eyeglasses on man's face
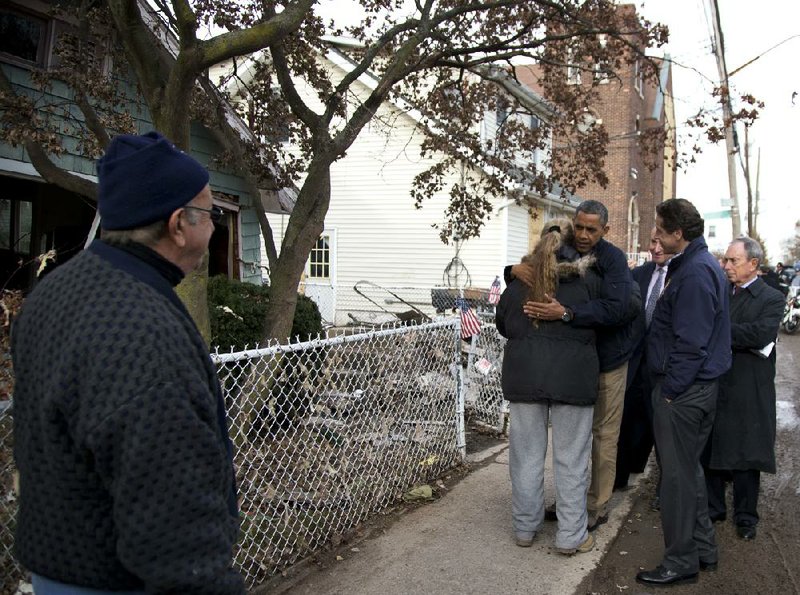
(215, 213)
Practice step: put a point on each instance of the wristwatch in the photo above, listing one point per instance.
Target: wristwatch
(567, 315)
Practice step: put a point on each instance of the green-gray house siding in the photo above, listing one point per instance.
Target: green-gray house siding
(15, 162)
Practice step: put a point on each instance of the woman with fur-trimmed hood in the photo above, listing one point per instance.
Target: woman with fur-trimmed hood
(550, 370)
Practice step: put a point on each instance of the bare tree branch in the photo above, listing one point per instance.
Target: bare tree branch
(186, 22)
(247, 41)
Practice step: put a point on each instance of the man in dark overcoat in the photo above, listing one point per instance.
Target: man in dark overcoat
(742, 443)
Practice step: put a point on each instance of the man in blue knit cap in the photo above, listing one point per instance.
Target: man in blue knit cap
(120, 435)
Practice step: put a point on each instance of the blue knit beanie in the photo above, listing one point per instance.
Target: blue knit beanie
(143, 179)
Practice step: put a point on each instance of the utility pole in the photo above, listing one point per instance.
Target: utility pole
(758, 192)
(730, 139)
(751, 226)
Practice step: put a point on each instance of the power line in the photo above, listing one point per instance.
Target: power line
(780, 43)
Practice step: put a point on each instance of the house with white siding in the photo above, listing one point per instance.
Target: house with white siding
(718, 229)
(378, 254)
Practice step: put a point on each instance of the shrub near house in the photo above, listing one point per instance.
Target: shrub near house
(237, 314)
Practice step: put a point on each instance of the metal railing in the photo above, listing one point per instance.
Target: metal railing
(331, 431)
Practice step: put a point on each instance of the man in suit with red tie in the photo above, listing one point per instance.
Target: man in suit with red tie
(636, 431)
(742, 442)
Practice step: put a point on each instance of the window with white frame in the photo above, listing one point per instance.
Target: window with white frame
(573, 69)
(502, 112)
(602, 69)
(319, 262)
(536, 155)
(633, 225)
(638, 77)
(601, 72)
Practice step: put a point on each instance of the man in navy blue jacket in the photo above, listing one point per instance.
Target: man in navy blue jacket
(688, 349)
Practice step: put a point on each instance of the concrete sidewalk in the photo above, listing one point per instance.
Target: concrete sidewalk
(462, 543)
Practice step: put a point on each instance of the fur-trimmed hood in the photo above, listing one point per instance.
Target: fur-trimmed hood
(575, 268)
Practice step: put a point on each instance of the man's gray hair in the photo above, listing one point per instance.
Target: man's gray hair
(149, 235)
(751, 247)
(594, 207)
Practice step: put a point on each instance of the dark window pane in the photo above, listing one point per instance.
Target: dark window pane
(21, 35)
(24, 224)
(5, 223)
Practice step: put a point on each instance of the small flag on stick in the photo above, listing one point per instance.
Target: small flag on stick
(494, 292)
(470, 325)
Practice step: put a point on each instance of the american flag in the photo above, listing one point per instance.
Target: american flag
(494, 292)
(470, 325)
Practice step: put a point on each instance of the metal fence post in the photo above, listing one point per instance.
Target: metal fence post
(461, 433)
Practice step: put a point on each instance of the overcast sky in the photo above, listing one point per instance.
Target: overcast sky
(749, 29)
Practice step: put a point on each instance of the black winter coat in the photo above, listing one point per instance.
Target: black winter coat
(553, 361)
(744, 428)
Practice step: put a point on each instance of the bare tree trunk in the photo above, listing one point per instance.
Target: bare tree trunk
(305, 227)
(193, 291)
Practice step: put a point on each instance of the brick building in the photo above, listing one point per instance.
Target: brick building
(627, 105)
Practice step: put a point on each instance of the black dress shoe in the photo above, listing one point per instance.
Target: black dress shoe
(708, 566)
(661, 576)
(718, 518)
(746, 532)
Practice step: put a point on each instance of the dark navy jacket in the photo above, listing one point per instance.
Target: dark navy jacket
(612, 313)
(689, 339)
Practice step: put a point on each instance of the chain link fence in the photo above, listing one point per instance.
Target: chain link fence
(10, 571)
(331, 431)
(328, 432)
(484, 395)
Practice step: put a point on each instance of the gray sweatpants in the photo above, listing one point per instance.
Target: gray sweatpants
(572, 444)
